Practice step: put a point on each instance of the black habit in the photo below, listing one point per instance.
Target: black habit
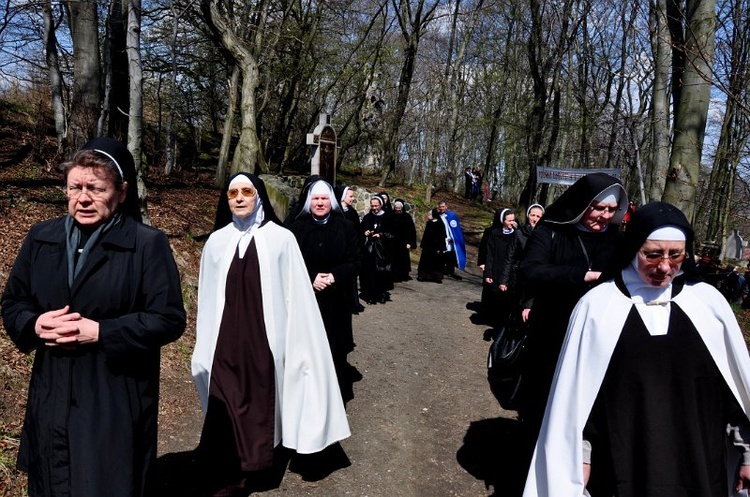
(404, 233)
(661, 413)
(333, 247)
(430, 266)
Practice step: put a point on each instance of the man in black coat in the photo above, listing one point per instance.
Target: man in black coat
(95, 294)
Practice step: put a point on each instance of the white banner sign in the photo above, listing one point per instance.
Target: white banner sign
(568, 176)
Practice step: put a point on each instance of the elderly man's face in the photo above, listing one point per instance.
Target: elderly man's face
(92, 195)
(659, 261)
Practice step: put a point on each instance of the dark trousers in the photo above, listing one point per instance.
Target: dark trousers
(449, 262)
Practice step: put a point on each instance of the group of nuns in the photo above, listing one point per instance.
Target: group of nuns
(636, 381)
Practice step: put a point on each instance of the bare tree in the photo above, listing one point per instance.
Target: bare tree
(86, 97)
(693, 54)
(135, 114)
(226, 139)
(55, 75)
(734, 55)
(241, 35)
(413, 23)
(660, 120)
(549, 41)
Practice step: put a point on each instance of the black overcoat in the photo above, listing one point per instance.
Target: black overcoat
(497, 248)
(553, 268)
(91, 415)
(377, 255)
(404, 233)
(430, 266)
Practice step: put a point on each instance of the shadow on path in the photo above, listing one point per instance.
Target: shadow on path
(495, 451)
(183, 474)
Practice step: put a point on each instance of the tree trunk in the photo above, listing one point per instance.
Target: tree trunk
(660, 144)
(390, 141)
(691, 109)
(247, 153)
(412, 28)
(169, 139)
(226, 139)
(438, 116)
(118, 67)
(86, 99)
(735, 130)
(135, 114)
(544, 75)
(55, 76)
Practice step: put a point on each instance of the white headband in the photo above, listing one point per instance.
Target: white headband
(119, 169)
(343, 194)
(667, 233)
(320, 188)
(240, 178)
(534, 206)
(609, 195)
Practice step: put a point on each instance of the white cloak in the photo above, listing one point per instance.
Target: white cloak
(593, 331)
(310, 413)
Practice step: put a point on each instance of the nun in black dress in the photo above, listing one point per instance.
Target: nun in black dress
(570, 248)
(329, 245)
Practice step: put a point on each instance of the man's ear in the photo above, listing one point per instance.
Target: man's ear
(123, 192)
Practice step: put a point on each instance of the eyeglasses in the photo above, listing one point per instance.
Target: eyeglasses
(673, 258)
(75, 191)
(247, 191)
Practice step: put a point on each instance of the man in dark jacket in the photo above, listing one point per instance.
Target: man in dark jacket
(95, 294)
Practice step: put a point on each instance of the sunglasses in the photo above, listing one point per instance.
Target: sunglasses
(247, 191)
(673, 258)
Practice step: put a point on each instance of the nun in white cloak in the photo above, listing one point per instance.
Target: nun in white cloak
(652, 390)
(261, 364)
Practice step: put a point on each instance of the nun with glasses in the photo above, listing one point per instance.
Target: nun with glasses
(330, 247)
(261, 364)
(94, 294)
(569, 249)
(652, 393)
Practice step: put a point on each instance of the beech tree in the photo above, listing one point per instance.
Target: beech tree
(693, 36)
(86, 97)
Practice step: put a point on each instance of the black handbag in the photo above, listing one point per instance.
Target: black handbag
(504, 363)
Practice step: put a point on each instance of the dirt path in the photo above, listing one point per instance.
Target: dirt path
(423, 420)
